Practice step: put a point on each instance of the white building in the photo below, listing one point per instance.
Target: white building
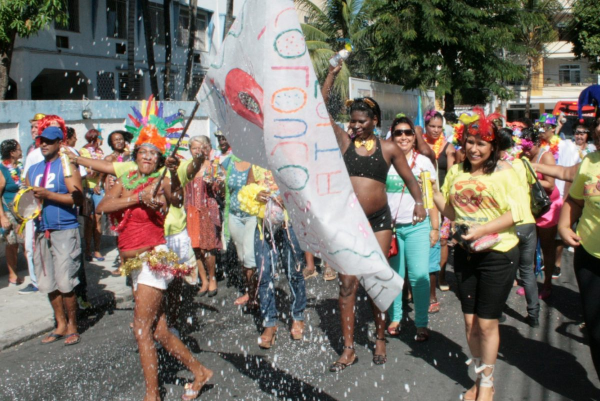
(88, 57)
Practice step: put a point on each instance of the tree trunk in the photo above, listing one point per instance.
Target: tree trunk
(6, 51)
(528, 100)
(449, 102)
(168, 50)
(131, 49)
(150, 48)
(228, 17)
(189, 65)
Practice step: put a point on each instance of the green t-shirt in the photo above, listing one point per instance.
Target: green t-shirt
(175, 222)
(586, 187)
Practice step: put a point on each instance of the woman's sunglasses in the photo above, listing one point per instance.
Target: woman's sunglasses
(578, 132)
(400, 132)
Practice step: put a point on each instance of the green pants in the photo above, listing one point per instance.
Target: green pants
(413, 256)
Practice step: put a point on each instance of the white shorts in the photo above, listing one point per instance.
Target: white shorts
(180, 243)
(148, 277)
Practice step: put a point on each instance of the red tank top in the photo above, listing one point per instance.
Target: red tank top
(141, 227)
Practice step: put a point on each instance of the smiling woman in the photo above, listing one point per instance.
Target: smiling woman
(478, 195)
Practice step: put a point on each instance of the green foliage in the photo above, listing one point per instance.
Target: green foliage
(451, 45)
(585, 27)
(27, 17)
(339, 19)
(535, 25)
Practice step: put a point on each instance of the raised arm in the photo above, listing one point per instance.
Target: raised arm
(422, 146)
(341, 135)
(101, 166)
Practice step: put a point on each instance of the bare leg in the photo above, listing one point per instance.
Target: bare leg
(432, 288)
(473, 340)
(11, 261)
(347, 302)
(88, 233)
(210, 262)
(174, 294)
(97, 234)
(56, 300)
(384, 238)
(489, 334)
(443, 261)
(310, 264)
(201, 270)
(548, 243)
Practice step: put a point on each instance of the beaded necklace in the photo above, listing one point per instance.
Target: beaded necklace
(134, 179)
(14, 170)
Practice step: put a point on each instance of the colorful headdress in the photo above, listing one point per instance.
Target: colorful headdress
(150, 127)
(430, 114)
(348, 103)
(547, 118)
(483, 125)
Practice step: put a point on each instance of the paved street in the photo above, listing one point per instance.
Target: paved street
(549, 363)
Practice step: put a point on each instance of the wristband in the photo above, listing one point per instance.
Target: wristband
(435, 229)
(419, 203)
(139, 197)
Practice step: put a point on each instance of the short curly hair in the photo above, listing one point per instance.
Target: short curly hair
(7, 147)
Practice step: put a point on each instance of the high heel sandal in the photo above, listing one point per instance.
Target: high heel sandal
(338, 366)
(487, 381)
(265, 342)
(297, 331)
(476, 362)
(380, 359)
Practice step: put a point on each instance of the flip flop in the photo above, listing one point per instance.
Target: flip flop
(434, 307)
(310, 273)
(54, 336)
(72, 335)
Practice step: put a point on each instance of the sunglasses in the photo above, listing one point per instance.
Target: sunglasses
(581, 132)
(48, 141)
(400, 132)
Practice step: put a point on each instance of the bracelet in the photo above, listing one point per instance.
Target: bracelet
(435, 229)
(139, 197)
(419, 203)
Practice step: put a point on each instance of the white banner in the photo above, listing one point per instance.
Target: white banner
(262, 92)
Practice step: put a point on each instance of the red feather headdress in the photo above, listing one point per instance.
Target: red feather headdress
(484, 124)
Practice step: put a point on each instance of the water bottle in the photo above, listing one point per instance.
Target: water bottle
(342, 55)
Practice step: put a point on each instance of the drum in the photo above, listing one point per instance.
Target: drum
(25, 206)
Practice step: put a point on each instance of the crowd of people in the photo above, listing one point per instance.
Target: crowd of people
(172, 218)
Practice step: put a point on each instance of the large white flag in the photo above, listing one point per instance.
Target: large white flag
(263, 94)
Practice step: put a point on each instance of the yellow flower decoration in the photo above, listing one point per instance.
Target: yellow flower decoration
(164, 262)
(248, 202)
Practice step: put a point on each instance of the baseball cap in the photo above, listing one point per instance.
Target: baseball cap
(52, 133)
(37, 117)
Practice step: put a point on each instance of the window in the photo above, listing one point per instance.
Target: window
(72, 23)
(124, 93)
(116, 19)
(120, 48)
(157, 23)
(305, 19)
(62, 42)
(569, 74)
(106, 85)
(183, 30)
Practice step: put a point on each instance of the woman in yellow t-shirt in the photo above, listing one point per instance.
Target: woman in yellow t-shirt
(479, 193)
(583, 204)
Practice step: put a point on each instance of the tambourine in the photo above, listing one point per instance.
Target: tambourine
(25, 205)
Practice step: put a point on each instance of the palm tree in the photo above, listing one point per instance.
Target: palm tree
(325, 32)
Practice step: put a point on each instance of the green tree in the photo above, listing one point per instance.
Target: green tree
(535, 28)
(24, 18)
(325, 32)
(454, 46)
(585, 27)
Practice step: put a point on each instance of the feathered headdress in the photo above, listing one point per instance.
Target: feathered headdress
(150, 127)
(482, 125)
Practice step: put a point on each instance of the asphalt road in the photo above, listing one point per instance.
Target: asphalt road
(548, 363)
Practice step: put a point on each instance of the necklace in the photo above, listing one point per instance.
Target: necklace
(367, 143)
(552, 146)
(14, 170)
(437, 146)
(134, 179)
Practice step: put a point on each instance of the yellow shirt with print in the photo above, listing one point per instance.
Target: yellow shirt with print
(175, 222)
(91, 182)
(586, 187)
(480, 199)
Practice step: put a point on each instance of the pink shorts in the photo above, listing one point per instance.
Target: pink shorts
(550, 218)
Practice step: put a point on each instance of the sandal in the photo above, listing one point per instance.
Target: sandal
(393, 331)
(486, 380)
(434, 307)
(338, 366)
(422, 336)
(75, 335)
(190, 393)
(469, 393)
(241, 301)
(266, 342)
(17, 281)
(309, 273)
(329, 274)
(55, 337)
(380, 359)
(297, 330)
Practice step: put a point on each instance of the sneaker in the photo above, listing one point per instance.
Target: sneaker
(556, 273)
(30, 289)
(83, 304)
(533, 322)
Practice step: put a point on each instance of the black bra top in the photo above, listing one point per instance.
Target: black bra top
(374, 166)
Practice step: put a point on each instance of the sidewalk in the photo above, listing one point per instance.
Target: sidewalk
(26, 316)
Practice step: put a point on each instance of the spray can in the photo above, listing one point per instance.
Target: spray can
(66, 163)
(427, 189)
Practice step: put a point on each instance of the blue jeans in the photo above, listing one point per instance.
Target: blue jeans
(293, 261)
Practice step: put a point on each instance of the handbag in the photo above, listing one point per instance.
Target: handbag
(540, 201)
(87, 207)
